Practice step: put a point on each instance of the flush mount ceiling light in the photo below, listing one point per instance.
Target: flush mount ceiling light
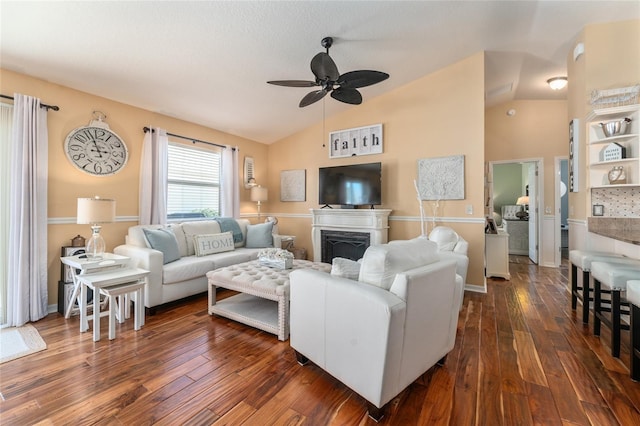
(557, 83)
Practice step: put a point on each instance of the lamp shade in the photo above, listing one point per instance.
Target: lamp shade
(523, 201)
(96, 210)
(259, 193)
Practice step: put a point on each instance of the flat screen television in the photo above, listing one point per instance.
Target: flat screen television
(352, 185)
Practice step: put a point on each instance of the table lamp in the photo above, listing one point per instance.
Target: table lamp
(94, 211)
(524, 202)
(259, 194)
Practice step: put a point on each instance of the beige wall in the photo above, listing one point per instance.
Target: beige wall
(539, 129)
(611, 60)
(66, 183)
(438, 115)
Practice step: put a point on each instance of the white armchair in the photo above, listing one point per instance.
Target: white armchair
(452, 246)
(380, 333)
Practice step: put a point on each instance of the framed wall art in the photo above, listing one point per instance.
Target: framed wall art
(293, 185)
(441, 178)
(357, 141)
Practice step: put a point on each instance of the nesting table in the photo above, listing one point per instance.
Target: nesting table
(111, 276)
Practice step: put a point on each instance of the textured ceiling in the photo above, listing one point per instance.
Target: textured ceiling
(208, 62)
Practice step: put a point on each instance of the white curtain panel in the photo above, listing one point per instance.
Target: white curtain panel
(153, 178)
(27, 260)
(6, 126)
(230, 202)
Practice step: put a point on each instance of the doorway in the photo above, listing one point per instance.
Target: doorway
(515, 197)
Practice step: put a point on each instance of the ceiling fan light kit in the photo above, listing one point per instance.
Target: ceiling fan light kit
(343, 87)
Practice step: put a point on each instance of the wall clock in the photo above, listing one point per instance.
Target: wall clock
(96, 149)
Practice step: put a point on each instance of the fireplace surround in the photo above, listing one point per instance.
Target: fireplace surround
(342, 225)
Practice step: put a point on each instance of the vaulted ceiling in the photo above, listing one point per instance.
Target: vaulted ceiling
(208, 62)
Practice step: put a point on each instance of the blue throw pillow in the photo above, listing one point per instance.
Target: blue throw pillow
(259, 236)
(165, 241)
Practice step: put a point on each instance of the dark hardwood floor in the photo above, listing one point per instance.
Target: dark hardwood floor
(522, 356)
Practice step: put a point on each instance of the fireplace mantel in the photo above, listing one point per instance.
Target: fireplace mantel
(373, 221)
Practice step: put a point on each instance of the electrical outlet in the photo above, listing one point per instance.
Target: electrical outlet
(469, 208)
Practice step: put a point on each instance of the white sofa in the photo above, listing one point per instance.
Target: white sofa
(185, 276)
(378, 333)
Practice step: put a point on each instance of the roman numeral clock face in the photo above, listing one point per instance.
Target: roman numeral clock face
(96, 150)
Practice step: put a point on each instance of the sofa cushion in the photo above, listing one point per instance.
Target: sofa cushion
(191, 229)
(381, 263)
(239, 255)
(136, 236)
(345, 268)
(213, 243)
(260, 235)
(163, 240)
(187, 268)
(180, 237)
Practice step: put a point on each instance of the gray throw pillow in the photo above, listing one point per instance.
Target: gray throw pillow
(260, 235)
(165, 241)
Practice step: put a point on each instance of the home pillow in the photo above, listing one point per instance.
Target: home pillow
(259, 236)
(213, 243)
(165, 241)
(381, 263)
(345, 268)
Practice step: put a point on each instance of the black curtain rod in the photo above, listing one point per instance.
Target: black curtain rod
(53, 107)
(146, 130)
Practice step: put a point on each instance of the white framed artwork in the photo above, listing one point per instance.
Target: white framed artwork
(293, 185)
(441, 178)
(357, 141)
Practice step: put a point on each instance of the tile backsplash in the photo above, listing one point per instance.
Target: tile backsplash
(618, 202)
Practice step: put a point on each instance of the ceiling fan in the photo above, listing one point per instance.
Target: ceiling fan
(342, 86)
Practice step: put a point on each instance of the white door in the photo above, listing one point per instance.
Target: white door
(533, 212)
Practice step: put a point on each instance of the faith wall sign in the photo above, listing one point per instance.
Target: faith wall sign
(358, 141)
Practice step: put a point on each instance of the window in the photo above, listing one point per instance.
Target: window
(193, 182)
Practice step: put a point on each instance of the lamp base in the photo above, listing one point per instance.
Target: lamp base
(95, 244)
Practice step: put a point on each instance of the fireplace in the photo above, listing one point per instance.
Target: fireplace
(349, 231)
(350, 245)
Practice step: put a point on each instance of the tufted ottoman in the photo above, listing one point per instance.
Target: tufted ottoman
(263, 301)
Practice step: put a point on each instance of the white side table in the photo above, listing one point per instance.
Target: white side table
(98, 274)
(82, 264)
(287, 241)
(496, 254)
(112, 283)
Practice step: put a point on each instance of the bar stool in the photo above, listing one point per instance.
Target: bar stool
(613, 277)
(581, 259)
(633, 296)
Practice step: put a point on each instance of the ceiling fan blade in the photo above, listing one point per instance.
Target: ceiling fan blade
(348, 96)
(312, 97)
(363, 78)
(324, 68)
(293, 83)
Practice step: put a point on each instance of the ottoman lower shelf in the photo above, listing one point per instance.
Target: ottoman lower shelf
(250, 310)
(263, 301)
